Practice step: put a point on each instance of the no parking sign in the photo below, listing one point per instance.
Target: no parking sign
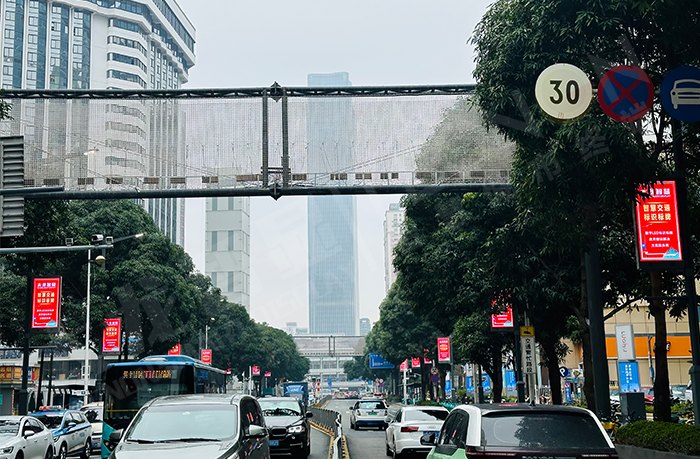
(625, 93)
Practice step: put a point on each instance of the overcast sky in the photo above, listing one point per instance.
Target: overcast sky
(379, 42)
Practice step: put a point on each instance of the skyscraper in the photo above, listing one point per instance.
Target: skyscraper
(101, 44)
(365, 326)
(393, 226)
(332, 233)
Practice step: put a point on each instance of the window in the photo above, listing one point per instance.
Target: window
(231, 245)
(214, 241)
(454, 431)
(230, 282)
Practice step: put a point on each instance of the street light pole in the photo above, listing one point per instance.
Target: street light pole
(86, 370)
(206, 336)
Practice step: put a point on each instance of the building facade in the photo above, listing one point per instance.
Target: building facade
(332, 232)
(101, 44)
(365, 326)
(227, 247)
(393, 227)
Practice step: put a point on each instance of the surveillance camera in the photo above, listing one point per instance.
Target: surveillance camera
(97, 239)
(69, 241)
(109, 240)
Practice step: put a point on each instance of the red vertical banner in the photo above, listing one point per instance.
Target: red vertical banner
(658, 228)
(415, 362)
(404, 365)
(255, 370)
(426, 360)
(205, 356)
(444, 350)
(46, 304)
(111, 335)
(175, 350)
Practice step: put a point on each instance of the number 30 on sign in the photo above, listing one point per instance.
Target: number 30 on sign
(564, 92)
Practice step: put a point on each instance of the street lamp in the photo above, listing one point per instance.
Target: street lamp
(206, 332)
(96, 239)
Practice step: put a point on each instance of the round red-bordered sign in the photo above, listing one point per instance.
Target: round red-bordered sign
(625, 93)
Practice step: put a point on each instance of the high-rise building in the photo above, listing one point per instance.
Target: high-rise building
(393, 226)
(332, 233)
(101, 44)
(227, 247)
(365, 326)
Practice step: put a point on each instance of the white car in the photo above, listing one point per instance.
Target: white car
(368, 413)
(26, 437)
(93, 413)
(409, 424)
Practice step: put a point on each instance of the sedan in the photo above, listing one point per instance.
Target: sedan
(368, 413)
(288, 424)
(410, 423)
(520, 431)
(26, 437)
(70, 429)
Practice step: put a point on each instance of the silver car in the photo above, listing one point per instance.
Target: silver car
(24, 436)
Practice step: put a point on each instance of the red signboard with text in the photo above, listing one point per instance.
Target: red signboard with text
(415, 362)
(268, 374)
(46, 304)
(502, 320)
(205, 356)
(658, 229)
(444, 350)
(111, 335)
(175, 350)
(404, 365)
(255, 370)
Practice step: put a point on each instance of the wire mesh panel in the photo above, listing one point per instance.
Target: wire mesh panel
(273, 136)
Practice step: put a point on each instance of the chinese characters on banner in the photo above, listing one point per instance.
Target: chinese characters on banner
(255, 370)
(175, 350)
(205, 356)
(656, 218)
(629, 376)
(111, 335)
(415, 362)
(46, 304)
(503, 320)
(443, 349)
(528, 346)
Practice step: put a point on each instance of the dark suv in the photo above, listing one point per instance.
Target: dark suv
(187, 426)
(288, 424)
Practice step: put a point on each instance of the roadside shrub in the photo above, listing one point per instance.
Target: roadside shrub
(661, 436)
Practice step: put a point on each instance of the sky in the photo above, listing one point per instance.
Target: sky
(378, 42)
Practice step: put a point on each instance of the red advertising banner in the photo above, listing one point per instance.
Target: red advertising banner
(111, 335)
(205, 356)
(426, 360)
(46, 303)
(444, 350)
(404, 365)
(658, 231)
(255, 370)
(503, 320)
(268, 374)
(175, 350)
(415, 362)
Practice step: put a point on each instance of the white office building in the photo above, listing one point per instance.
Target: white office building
(393, 227)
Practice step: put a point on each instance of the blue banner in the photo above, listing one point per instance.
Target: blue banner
(470, 384)
(629, 376)
(377, 362)
(448, 388)
(486, 383)
(511, 383)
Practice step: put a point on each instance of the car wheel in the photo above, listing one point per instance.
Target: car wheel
(85, 453)
(49, 453)
(63, 452)
(20, 455)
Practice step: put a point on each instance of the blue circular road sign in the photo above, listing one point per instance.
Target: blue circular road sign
(564, 372)
(625, 93)
(680, 94)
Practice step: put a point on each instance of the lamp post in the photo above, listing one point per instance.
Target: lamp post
(206, 332)
(96, 239)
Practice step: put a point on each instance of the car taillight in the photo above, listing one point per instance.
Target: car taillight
(409, 429)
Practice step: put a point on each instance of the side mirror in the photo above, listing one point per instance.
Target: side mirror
(352, 407)
(115, 436)
(72, 424)
(309, 414)
(388, 419)
(28, 433)
(428, 439)
(256, 432)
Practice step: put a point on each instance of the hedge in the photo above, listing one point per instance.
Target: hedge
(661, 436)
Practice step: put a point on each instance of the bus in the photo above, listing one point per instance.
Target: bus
(129, 385)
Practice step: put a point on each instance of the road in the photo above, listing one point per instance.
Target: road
(363, 444)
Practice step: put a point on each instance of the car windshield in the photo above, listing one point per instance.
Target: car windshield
(280, 407)
(541, 431)
(9, 426)
(51, 421)
(371, 406)
(425, 415)
(184, 423)
(93, 414)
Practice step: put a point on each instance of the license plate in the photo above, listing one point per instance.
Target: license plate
(274, 442)
(372, 413)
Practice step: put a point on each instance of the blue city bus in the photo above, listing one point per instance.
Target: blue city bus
(129, 385)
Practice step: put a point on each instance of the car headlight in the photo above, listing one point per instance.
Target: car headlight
(8, 450)
(295, 429)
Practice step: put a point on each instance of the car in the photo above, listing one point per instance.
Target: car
(25, 437)
(288, 425)
(406, 427)
(677, 393)
(520, 431)
(93, 412)
(685, 92)
(368, 413)
(70, 429)
(194, 426)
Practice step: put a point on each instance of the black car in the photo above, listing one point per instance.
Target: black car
(194, 426)
(288, 425)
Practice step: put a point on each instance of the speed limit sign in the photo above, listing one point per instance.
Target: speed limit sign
(564, 92)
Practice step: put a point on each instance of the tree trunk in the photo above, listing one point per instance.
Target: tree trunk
(550, 351)
(497, 388)
(662, 393)
(586, 342)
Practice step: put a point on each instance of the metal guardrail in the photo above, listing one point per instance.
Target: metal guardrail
(330, 422)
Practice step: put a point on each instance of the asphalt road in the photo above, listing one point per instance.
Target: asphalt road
(364, 443)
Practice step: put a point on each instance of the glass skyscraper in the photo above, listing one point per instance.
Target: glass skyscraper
(332, 232)
(101, 44)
